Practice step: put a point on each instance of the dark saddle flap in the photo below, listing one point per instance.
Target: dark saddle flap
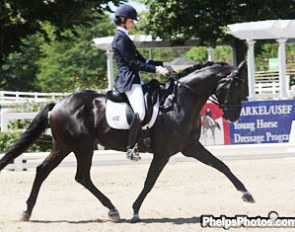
(115, 96)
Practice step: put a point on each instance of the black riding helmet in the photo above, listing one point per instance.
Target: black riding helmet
(126, 11)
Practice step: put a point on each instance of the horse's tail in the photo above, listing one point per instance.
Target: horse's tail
(34, 131)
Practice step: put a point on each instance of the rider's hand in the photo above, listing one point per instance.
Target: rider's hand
(161, 70)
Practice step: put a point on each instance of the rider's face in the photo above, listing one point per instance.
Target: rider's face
(129, 24)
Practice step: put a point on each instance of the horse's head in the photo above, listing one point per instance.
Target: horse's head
(220, 80)
(229, 92)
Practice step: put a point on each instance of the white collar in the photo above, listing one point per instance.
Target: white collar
(123, 29)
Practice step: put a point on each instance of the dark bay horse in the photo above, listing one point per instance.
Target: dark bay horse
(78, 122)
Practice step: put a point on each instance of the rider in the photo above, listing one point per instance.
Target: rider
(130, 62)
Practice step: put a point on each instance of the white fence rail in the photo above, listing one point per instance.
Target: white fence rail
(9, 96)
(6, 117)
(267, 87)
(109, 157)
(103, 157)
(267, 84)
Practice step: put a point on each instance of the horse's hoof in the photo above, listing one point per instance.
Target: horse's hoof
(135, 218)
(114, 215)
(247, 197)
(25, 216)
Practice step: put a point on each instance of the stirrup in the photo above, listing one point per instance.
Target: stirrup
(132, 154)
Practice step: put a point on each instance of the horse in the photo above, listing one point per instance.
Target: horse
(78, 122)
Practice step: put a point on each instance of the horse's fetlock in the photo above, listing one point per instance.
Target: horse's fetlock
(79, 179)
(82, 180)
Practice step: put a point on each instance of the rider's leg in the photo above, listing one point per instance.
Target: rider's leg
(132, 151)
(136, 99)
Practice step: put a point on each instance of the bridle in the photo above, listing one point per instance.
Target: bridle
(213, 98)
(228, 80)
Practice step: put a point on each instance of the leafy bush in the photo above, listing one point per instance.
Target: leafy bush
(7, 139)
(19, 124)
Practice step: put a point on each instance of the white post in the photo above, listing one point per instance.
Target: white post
(210, 51)
(284, 86)
(150, 53)
(110, 69)
(251, 69)
(4, 119)
(18, 163)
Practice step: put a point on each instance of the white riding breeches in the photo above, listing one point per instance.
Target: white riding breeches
(136, 99)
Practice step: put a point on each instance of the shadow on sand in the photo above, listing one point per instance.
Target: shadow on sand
(179, 221)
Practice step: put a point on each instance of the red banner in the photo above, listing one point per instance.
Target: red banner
(215, 130)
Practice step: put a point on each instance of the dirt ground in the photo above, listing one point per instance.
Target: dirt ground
(183, 193)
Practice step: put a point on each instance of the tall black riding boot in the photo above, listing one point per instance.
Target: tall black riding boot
(132, 150)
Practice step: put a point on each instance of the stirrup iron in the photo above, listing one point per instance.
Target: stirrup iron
(132, 153)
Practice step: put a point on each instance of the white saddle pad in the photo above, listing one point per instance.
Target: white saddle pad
(117, 119)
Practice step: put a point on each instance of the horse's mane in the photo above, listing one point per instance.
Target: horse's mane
(195, 67)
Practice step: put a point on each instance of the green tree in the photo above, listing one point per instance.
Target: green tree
(20, 68)
(19, 19)
(207, 20)
(44, 63)
(198, 54)
(67, 66)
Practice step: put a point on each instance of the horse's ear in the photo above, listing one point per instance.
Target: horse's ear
(242, 69)
(242, 65)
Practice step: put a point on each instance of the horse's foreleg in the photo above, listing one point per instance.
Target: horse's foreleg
(84, 162)
(43, 170)
(155, 169)
(199, 152)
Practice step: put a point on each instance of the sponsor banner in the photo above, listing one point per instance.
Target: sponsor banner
(263, 122)
(215, 130)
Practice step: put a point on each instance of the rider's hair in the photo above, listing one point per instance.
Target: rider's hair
(120, 20)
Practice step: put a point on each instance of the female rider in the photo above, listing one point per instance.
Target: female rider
(130, 62)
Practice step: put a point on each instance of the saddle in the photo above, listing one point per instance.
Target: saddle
(119, 112)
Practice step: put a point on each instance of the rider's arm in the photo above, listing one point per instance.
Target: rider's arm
(133, 58)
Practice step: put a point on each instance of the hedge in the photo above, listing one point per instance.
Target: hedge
(41, 145)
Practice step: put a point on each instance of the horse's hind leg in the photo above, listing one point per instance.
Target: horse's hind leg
(199, 152)
(43, 170)
(84, 162)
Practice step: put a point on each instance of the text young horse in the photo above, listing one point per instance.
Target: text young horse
(78, 122)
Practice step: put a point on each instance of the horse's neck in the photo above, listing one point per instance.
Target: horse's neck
(190, 101)
(200, 85)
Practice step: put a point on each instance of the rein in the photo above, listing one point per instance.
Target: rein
(229, 79)
(180, 84)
